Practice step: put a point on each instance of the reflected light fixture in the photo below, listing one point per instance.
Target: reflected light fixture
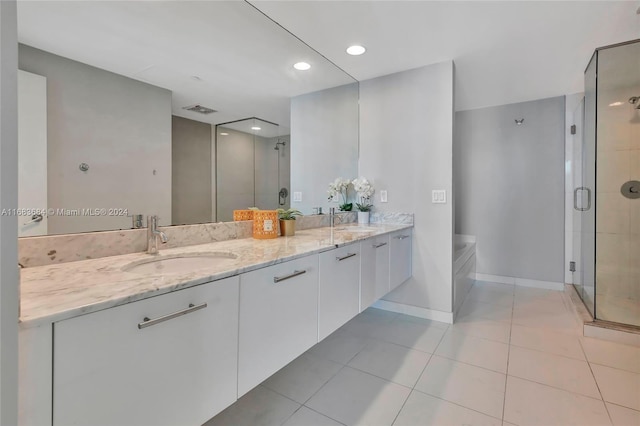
(616, 104)
(519, 121)
(224, 134)
(255, 128)
(356, 50)
(301, 66)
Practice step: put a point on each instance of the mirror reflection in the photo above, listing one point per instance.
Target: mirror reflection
(147, 108)
(253, 166)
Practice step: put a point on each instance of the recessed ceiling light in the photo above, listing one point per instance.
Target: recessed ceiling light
(255, 128)
(301, 66)
(616, 104)
(224, 134)
(356, 50)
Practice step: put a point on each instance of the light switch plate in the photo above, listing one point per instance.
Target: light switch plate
(383, 195)
(439, 196)
(297, 196)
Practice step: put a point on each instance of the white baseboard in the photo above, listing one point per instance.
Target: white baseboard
(416, 311)
(495, 279)
(523, 282)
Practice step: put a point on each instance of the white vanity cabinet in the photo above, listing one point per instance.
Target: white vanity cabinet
(374, 270)
(339, 296)
(167, 360)
(400, 257)
(278, 318)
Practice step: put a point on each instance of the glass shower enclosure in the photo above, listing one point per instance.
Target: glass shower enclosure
(607, 186)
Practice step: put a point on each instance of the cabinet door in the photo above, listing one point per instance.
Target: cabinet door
(400, 257)
(339, 294)
(278, 318)
(182, 371)
(374, 270)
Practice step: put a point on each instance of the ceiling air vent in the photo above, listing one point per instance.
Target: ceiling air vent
(200, 109)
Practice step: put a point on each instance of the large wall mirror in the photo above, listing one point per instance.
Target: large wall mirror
(179, 109)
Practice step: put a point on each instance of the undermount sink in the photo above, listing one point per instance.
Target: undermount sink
(179, 263)
(356, 229)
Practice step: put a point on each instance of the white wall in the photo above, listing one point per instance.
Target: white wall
(406, 133)
(324, 136)
(8, 224)
(510, 188)
(119, 126)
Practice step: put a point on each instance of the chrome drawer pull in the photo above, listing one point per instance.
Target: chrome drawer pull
(147, 322)
(286, 277)
(379, 245)
(340, 259)
(401, 237)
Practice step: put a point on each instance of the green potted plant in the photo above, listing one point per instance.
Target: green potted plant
(365, 191)
(288, 221)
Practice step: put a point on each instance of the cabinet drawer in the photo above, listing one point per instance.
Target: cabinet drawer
(400, 257)
(278, 318)
(111, 369)
(374, 270)
(339, 294)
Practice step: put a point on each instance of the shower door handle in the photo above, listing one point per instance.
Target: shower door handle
(575, 199)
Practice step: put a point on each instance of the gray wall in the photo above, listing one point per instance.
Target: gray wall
(324, 131)
(509, 184)
(9, 277)
(119, 126)
(406, 125)
(191, 189)
(235, 171)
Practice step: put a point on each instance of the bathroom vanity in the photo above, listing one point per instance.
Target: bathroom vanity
(104, 345)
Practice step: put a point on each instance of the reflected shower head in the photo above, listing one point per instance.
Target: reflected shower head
(277, 147)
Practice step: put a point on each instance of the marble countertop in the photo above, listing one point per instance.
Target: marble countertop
(61, 291)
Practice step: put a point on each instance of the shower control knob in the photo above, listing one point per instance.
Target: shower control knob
(631, 189)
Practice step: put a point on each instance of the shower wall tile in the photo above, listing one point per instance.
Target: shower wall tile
(613, 213)
(613, 250)
(634, 216)
(613, 169)
(635, 133)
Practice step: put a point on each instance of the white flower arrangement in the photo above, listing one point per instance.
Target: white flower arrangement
(340, 187)
(365, 191)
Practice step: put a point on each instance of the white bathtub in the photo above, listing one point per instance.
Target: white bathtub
(464, 268)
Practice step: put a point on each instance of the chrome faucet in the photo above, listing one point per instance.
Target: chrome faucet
(153, 234)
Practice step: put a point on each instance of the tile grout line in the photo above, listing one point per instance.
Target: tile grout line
(506, 375)
(596, 382)
(548, 353)
(456, 404)
(413, 389)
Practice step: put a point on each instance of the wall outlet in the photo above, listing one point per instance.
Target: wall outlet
(439, 196)
(383, 195)
(297, 197)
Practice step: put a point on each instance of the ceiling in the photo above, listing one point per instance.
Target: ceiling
(225, 55)
(504, 51)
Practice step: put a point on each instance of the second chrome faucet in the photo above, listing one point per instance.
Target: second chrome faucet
(153, 234)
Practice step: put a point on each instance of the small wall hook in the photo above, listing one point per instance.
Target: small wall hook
(520, 121)
(84, 167)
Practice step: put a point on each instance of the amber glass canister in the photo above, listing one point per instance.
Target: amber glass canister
(239, 215)
(265, 224)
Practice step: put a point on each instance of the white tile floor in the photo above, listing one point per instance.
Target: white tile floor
(514, 357)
